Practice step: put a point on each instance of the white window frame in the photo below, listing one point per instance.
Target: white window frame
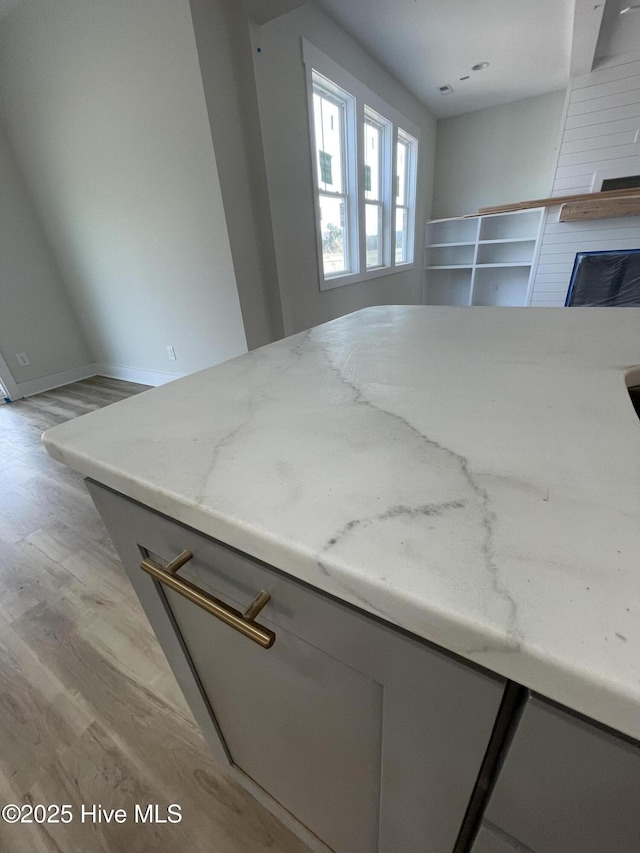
(335, 93)
(365, 102)
(385, 200)
(410, 190)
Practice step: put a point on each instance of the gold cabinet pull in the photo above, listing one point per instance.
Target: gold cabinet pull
(242, 622)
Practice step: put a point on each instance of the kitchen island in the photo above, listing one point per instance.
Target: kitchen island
(464, 480)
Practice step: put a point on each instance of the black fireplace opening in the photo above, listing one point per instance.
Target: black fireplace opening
(604, 279)
(627, 183)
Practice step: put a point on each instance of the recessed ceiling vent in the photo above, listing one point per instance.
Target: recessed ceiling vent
(445, 90)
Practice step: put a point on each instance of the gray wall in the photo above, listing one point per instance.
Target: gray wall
(105, 108)
(35, 313)
(224, 49)
(282, 97)
(498, 155)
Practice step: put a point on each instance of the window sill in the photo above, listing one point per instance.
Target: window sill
(354, 278)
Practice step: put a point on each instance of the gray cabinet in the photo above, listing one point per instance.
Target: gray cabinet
(567, 785)
(372, 739)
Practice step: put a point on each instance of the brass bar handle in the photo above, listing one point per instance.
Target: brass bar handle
(242, 622)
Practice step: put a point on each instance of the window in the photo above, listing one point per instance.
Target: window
(332, 148)
(365, 169)
(375, 129)
(406, 148)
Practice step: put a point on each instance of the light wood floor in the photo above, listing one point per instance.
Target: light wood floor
(89, 710)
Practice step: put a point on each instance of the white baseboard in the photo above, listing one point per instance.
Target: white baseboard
(113, 371)
(55, 380)
(134, 374)
(7, 381)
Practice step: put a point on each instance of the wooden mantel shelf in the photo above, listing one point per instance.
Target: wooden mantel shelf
(598, 208)
(613, 196)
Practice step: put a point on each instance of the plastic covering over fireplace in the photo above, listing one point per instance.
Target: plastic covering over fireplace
(604, 279)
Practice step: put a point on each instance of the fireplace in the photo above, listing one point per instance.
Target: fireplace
(609, 278)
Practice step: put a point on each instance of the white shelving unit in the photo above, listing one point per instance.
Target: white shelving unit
(483, 260)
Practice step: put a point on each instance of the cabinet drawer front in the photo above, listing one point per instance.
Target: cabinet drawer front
(372, 739)
(567, 785)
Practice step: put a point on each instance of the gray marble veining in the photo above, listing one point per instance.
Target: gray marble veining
(471, 475)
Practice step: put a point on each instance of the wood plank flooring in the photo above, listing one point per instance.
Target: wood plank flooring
(89, 710)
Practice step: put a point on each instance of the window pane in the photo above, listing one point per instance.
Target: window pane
(402, 161)
(372, 152)
(329, 129)
(332, 230)
(402, 234)
(373, 225)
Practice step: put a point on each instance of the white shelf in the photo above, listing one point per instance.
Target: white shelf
(482, 260)
(508, 226)
(443, 245)
(505, 264)
(451, 255)
(450, 286)
(505, 252)
(450, 267)
(501, 286)
(506, 240)
(453, 232)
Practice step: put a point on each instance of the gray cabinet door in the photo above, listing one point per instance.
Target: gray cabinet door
(567, 785)
(370, 738)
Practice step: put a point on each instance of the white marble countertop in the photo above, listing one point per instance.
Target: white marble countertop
(472, 475)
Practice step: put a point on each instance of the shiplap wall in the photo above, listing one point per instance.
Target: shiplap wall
(601, 134)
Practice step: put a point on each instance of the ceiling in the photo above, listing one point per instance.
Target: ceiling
(532, 46)
(430, 43)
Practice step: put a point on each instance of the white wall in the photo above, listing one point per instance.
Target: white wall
(497, 155)
(602, 123)
(282, 98)
(35, 313)
(224, 48)
(104, 105)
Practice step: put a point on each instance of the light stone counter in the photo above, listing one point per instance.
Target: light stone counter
(471, 475)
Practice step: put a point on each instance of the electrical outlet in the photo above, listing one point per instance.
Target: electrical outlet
(23, 359)
(171, 353)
